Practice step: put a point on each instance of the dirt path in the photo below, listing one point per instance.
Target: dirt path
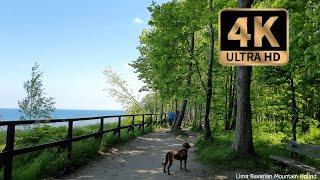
(141, 159)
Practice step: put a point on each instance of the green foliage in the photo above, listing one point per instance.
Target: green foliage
(313, 135)
(35, 105)
(271, 95)
(164, 58)
(164, 55)
(269, 139)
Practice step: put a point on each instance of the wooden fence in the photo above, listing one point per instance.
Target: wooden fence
(6, 156)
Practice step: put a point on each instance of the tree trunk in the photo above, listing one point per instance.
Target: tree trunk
(188, 112)
(200, 118)
(195, 116)
(234, 102)
(227, 120)
(294, 115)
(243, 144)
(155, 104)
(234, 116)
(231, 100)
(231, 95)
(176, 109)
(207, 130)
(178, 122)
(161, 110)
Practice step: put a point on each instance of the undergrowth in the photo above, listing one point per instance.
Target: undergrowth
(268, 140)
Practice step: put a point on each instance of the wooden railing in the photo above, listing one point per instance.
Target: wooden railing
(6, 156)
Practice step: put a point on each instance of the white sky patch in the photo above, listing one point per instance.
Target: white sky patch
(138, 20)
(127, 66)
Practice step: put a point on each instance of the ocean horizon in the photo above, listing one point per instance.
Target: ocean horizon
(12, 114)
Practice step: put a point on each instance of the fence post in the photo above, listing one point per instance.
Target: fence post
(132, 126)
(118, 127)
(151, 120)
(69, 137)
(142, 123)
(101, 131)
(9, 148)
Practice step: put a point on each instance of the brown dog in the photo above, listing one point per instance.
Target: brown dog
(181, 154)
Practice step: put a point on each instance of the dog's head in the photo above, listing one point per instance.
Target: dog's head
(186, 145)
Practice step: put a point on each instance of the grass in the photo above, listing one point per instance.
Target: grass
(50, 163)
(268, 139)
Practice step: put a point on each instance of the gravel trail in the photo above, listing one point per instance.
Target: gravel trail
(141, 159)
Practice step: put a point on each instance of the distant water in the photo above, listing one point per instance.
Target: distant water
(14, 114)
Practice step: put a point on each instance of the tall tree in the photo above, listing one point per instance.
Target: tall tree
(35, 105)
(178, 122)
(118, 88)
(207, 129)
(243, 144)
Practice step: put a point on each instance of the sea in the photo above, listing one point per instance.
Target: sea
(11, 114)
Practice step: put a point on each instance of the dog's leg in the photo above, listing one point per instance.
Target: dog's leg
(170, 163)
(181, 164)
(165, 163)
(185, 165)
(164, 167)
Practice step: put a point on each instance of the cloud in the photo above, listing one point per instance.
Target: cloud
(138, 20)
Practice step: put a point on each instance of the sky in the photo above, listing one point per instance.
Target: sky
(73, 41)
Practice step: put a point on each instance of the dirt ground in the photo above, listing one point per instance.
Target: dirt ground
(141, 159)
